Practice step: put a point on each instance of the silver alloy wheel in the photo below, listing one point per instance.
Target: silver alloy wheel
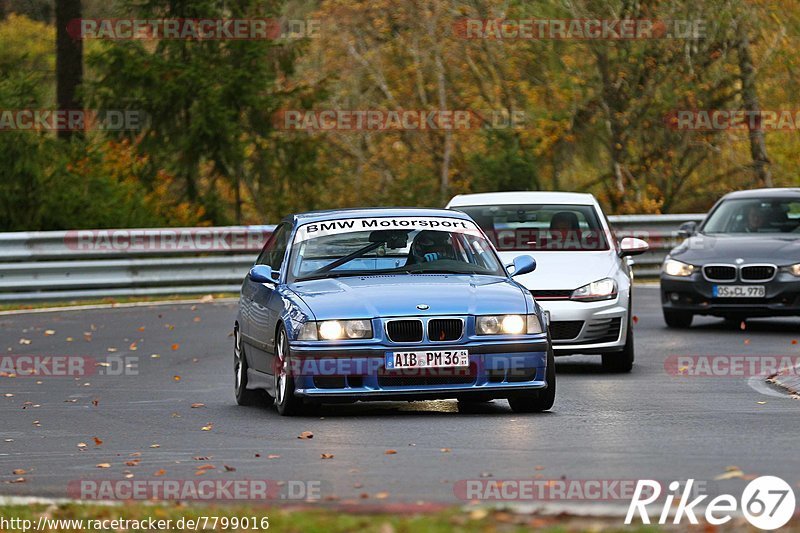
(280, 391)
(238, 368)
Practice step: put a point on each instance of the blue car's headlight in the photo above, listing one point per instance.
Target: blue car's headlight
(508, 325)
(334, 330)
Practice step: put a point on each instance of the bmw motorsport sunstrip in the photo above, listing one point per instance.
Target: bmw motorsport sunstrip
(388, 304)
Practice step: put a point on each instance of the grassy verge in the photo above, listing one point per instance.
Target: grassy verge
(289, 520)
(109, 301)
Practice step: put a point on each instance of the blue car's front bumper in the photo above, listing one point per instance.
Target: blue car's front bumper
(497, 369)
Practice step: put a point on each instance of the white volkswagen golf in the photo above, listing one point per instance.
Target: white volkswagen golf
(583, 277)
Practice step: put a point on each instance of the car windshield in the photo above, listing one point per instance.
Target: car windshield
(396, 245)
(540, 227)
(746, 215)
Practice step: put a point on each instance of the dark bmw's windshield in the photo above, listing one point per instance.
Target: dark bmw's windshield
(763, 216)
(400, 245)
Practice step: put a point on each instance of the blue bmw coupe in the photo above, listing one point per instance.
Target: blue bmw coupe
(388, 304)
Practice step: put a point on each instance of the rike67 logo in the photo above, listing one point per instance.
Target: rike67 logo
(767, 502)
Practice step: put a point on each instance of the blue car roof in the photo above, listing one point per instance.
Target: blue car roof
(338, 214)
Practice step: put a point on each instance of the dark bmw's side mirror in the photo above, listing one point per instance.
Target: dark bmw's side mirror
(261, 274)
(687, 229)
(523, 264)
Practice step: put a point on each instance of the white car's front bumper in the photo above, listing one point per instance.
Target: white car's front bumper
(587, 327)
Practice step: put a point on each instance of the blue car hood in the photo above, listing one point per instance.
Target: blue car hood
(391, 296)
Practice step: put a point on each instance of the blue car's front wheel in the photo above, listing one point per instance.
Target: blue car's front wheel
(285, 401)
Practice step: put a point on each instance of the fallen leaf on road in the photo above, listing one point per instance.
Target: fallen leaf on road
(175, 346)
(8, 440)
(140, 328)
(731, 473)
(209, 427)
(134, 462)
(81, 445)
(358, 485)
(747, 341)
(742, 326)
(25, 341)
(111, 350)
(206, 467)
(202, 458)
(103, 465)
(132, 347)
(154, 356)
(97, 442)
(8, 395)
(794, 341)
(200, 473)
(96, 402)
(160, 473)
(19, 472)
(229, 468)
(445, 450)
(273, 456)
(390, 452)
(18, 480)
(305, 435)
(326, 456)
(176, 378)
(135, 454)
(155, 446)
(69, 339)
(198, 405)
(196, 319)
(207, 298)
(128, 475)
(72, 400)
(382, 495)
(761, 403)
(49, 332)
(635, 319)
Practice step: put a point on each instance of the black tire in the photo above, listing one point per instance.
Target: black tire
(540, 400)
(621, 362)
(678, 319)
(244, 396)
(285, 401)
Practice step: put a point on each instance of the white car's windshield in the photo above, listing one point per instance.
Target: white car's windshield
(540, 227)
(398, 245)
(771, 215)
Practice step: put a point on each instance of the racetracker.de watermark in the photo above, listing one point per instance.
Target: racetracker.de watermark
(731, 366)
(735, 120)
(578, 29)
(72, 119)
(379, 120)
(38, 366)
(585, 490)
(194, 489)
(194, 29)
(167, 240)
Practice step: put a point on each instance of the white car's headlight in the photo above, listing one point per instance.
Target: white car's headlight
(332, 330)
(508, 325)
(794, 270)
(604, 289)
(677, 268)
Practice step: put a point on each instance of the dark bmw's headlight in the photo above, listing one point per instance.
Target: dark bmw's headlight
(794, 270)
(508, 325)
(604, 289)
(677, 268)
(334, 330)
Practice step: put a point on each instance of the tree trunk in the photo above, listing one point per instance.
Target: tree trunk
(747, 73)
(69, 60)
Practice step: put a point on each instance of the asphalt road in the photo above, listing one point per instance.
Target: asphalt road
(647, 424)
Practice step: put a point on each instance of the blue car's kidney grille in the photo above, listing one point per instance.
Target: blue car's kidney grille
(758, 272)
(445, 329)
(404, 330)
(720, 272)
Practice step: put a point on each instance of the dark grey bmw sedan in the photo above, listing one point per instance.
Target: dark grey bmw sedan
(742, 261)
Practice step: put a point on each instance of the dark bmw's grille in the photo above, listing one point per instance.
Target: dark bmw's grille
(757, 273)
(404, 330)
(445, 329)
(720, 272)
(565, 329)
(562, 294)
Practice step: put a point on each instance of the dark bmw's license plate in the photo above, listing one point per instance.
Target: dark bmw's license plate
(739, 291)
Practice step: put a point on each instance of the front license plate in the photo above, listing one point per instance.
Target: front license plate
(739, 291)
(430, 359)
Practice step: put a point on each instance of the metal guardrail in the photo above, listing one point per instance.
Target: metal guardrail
(72, 265)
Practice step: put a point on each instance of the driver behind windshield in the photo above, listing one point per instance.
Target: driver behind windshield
(756, 219)
(429, 246)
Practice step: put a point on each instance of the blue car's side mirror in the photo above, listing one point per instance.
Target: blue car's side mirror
(261, 274)
(523, 264)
